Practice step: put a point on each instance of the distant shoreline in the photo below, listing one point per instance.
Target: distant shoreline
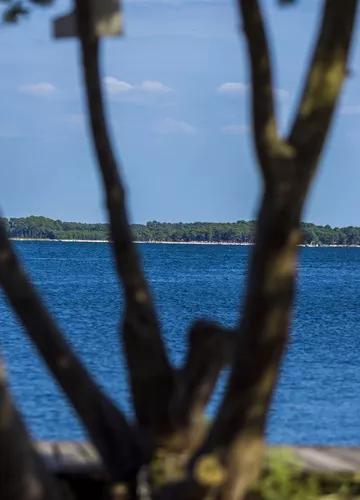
(223, 243)
(139, 242)
(192, 233)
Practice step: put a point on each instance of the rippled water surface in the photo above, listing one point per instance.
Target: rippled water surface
(318, 398)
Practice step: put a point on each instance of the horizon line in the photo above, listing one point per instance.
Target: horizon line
(170, 222)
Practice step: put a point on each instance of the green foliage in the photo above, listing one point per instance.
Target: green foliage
(42, 2)
(14, 10)
(215, 232)
(285, 479)
(12, 13)
(44, 228)
(238, 232)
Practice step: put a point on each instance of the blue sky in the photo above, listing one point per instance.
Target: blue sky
(177, 101)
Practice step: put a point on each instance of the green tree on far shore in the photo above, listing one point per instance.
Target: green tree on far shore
(216, 232)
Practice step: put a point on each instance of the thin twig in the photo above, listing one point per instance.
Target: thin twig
(150, 373)
(327, 71)
(105, 424)
(265, 131)
(210, 350)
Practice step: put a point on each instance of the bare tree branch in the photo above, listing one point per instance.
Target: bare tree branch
(151, 375)
(326, 74)
(23, 475)
(233, 449)
(265, 131)
(210, 349)
(235, 440)
(105, 424)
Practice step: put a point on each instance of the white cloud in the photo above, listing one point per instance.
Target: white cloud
(170, 126)
(41, 88)
(155, 87)
(233, 88)
(237, 88)
(235, 129)
(115, 86)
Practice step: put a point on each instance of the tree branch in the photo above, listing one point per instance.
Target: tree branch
(326, 74)
(151, 375)
(210, 349)
(105, 424)
(234, 443)
(22, 472)
(265, 130)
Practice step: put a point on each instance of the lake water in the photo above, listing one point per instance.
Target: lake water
(318, 398)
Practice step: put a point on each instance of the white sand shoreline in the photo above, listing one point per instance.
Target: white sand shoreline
(224, 243)
(138, 242)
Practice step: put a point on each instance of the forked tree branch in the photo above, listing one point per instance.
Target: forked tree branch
(235, 441)
(104, 423)
(23, 475)
(234, 445)
(151, 375)
(210, 350)
(327, 71)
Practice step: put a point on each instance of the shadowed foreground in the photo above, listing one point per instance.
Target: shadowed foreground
(79, 467)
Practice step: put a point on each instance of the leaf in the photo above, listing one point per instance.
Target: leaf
(12, 14)
(42, 2)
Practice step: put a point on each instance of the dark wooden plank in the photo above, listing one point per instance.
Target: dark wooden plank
(91, 455)
(81, 457)
(322, 459)
(72, 457)
(350, 455)
(46, 450)
(318, 460)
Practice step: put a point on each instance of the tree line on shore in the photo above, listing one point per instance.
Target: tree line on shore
(229, 232)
